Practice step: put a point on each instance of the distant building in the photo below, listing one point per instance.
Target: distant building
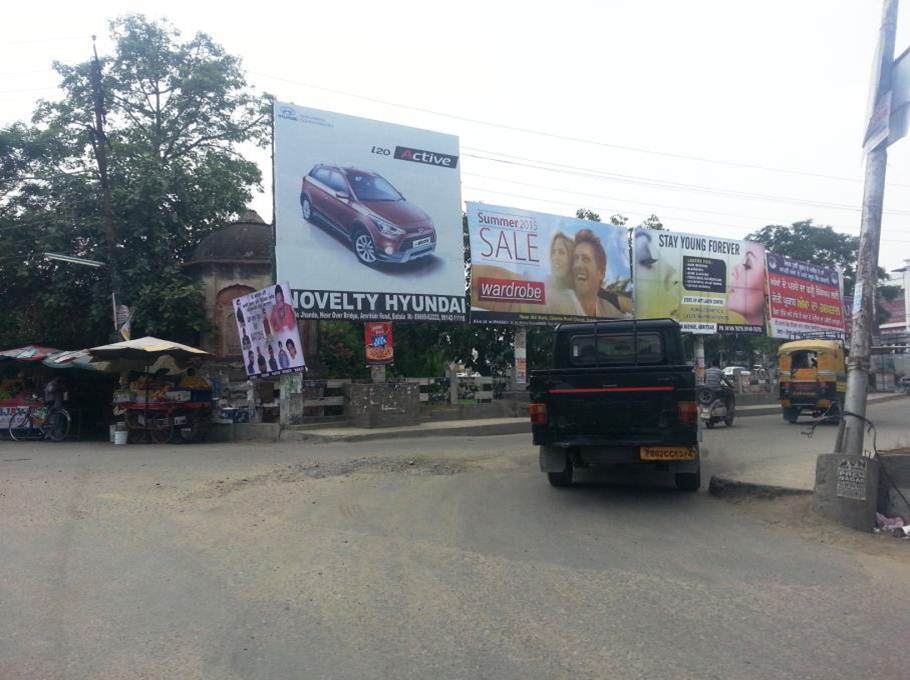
(896, 330)
(230, 262)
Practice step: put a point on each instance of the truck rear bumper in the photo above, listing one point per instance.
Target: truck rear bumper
(553, 458)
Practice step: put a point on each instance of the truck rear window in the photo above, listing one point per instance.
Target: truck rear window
(616, 349)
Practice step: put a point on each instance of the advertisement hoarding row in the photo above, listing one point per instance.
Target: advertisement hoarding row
(533, 268)
(369, 228)
(368, 218)
(803, 298)
(708, 284)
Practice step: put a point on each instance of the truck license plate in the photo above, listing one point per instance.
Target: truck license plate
(667, 453)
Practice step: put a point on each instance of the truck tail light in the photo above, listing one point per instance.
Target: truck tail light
(688, 412)
(538, 413)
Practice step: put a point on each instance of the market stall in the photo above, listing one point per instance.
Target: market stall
(81, 387)
(21, 380)
(159, 398)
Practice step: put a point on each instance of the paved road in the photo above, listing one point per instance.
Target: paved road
(421, 558)
(767, 450)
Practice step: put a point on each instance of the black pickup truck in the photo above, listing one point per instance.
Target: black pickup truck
(619, 393)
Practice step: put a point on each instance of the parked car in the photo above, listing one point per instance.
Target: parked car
(368, 212)
(620, 393)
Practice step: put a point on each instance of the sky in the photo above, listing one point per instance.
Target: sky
(720, 117)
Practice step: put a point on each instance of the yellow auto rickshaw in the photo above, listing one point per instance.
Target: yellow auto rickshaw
(813, 378)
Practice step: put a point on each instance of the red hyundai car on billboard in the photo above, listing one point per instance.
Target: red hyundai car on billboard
(368, 212)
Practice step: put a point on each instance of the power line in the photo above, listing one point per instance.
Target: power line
(648, 204)
(621, 200)
(674, 186)
(26, 73)
(574, 167)
(603, 209)
(43, 40)
(568, 138)
(29, 89)
(576, 205)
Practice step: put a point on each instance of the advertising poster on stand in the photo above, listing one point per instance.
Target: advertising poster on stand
(380, 349)
(710, 285)
(533, 268)
(368, 221)
(803, 298)
(268, 331)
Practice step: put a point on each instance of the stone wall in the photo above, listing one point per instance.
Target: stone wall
(382, 404)
(896, 466)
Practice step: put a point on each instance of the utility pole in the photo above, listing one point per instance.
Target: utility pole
(99, 145)
(867, 262)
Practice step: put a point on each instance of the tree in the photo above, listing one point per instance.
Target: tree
(176, 112)
(585, 214)
(810, 243)
(652, 222)
(822, 246)
(618, 220)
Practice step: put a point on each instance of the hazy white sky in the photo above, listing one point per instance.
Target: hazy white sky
(779, 84)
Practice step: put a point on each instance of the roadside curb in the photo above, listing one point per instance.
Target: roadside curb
(890, 397)
(748, 411)
(774, 409)
(522, 427)
(727, 488)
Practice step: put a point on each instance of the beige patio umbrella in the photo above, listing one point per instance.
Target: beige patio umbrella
(146, 349)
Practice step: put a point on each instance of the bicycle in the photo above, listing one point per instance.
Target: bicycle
(40, 422)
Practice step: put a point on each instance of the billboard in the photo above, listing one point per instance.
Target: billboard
(368, 219)
(380, 348)
(533, 268)
(708, 284)
(803, 298)
(268, 331)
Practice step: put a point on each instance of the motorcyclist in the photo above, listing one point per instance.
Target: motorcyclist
(716, 380)
(714, 376)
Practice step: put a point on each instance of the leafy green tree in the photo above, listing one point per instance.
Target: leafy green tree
(652, 222)
(811, 243)
(177, 111)
(585, 214)
(822, 245)
(617, 220)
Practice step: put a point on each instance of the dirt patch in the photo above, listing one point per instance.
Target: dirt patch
(417, 466)
(793, 513)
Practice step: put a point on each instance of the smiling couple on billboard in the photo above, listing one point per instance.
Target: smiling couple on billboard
(529, 267)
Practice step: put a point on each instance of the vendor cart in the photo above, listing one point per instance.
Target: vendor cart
(163, 422)
(160, 415)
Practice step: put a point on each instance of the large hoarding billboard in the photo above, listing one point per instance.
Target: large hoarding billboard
(268, 331)
(708, 284)
(368, 222)
(533, 268)
(803, 298)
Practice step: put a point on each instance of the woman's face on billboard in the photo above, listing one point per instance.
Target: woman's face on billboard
(561, 258)
(747, 285)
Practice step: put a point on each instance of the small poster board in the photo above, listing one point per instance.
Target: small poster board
(851, 479)
(269, 335)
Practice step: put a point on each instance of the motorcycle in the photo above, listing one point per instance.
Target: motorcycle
(716, 404)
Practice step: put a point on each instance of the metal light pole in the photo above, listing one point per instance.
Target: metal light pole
(99, 146)
(867, 262)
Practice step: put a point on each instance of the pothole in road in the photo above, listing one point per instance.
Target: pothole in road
(321, 470)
